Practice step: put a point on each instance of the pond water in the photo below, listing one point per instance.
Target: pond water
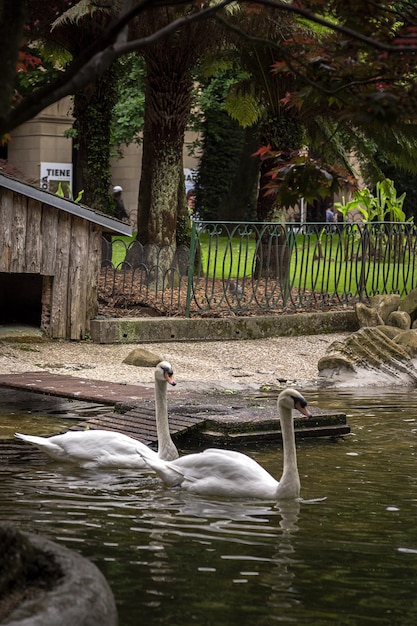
(346, 554)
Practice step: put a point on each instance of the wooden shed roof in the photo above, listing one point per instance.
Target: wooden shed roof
(108, 223)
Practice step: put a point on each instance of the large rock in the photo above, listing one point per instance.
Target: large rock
(390, 331)
(382, 351)
(386, 304)
(369, 355)
(80, 597)
(142, 358)
(367, 316)
(408, 340)
(399, 319)
(409, 304)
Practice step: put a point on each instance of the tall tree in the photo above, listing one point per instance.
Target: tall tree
(22, 21)
(376, 82)
(168, 98)
(308, 85)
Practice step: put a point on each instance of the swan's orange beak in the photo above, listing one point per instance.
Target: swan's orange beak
(170, 378)
(302, 408)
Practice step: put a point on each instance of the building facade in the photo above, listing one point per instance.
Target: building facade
(42, 142)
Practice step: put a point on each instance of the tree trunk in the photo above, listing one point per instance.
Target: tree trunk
(12, 20)
(167, 108)
(144, 198)
(272, 257)
(93, 112)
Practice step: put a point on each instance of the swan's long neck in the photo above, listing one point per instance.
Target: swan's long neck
(289, 485)
(166, 447)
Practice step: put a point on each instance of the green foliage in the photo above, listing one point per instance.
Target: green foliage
(64, 191)
(222, 146)
(222, 141)
(386, 205)
(389, 205)
(405, 181)
(215, 78)
(92, 113)
(128, 112)
(51, 60)
(244, 107)
(80, 10)
(283, 133)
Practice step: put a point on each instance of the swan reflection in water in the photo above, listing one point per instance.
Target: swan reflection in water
(161, 540)
(223, 543)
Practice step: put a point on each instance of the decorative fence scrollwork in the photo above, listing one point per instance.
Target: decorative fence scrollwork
(255, 268)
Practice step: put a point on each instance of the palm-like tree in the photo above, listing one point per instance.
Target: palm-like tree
(261, 101)
(168, 101)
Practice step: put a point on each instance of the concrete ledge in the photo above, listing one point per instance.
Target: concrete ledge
(163, 329)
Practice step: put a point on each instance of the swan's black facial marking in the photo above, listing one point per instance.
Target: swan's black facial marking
(301, 405)
(169, 375)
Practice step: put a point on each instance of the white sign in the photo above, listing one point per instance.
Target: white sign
(189, 176)
(57, 177)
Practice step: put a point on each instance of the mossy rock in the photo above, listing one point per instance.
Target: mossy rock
(24, 569)
(399, 319)
(45, 584)
(409, 304)
(408, 340)
(385, 304)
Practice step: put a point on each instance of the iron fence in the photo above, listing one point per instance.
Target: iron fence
(255, 268)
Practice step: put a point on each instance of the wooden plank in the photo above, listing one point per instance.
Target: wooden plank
(77, 278)
(60, 304)
(235, 439)
(18, 257)
(143, 424)
(6, 220)
(101, 391)
(34, 241)
(93, 268)
(49, 237)
(212, 426)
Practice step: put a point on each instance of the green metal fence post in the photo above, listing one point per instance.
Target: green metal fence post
(194, 233)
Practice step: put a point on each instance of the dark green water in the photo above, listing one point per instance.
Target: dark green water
(346, 555)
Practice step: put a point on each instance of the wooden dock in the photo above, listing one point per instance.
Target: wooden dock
(195, 420)
(74, 387)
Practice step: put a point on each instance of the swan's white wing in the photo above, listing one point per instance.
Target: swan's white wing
(230, 453)
(218, 473)
(91, 448)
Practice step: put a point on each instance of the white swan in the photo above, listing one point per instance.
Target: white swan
(218, 472)
(103, 448)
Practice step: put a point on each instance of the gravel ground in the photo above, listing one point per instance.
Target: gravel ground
(197, 365)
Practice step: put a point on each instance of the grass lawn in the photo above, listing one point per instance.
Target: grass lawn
(120, 244)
